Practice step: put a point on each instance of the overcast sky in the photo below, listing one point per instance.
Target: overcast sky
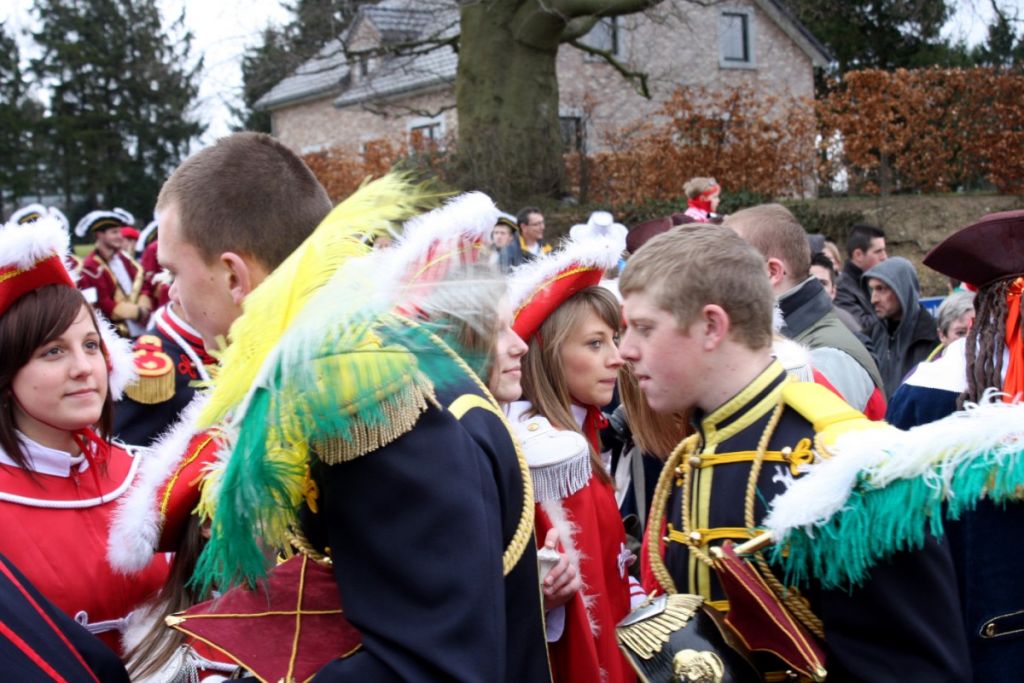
(224, 28)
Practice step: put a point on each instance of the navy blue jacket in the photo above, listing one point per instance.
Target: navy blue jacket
(416, 531)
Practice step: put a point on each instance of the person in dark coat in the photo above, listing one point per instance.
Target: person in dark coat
(865, 249)
(989, 254)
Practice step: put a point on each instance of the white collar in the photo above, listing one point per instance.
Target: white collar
(46, 460)
(580, 413)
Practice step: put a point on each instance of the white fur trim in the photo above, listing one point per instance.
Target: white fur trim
(596, 252)
(135, 525)
(23, 246)
(886, 455)
(567, 529)
(794, 357)
(471, 215)
(122, 363)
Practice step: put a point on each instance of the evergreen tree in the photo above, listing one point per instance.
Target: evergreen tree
(19, 118)
(881, 34)
(1003, 47)
(121, 99)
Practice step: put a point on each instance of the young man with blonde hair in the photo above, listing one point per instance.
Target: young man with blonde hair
(698, 311)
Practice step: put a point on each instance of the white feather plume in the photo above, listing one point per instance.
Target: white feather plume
(23, 246)
(467, 216)
(136, 525)
(882, 456)
(122, 362)
(593, 252)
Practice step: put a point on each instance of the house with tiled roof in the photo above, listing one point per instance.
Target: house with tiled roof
(391, 75)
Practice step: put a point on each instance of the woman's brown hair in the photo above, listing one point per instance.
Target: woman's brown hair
(544, 382)
(654, 433)
(36, 318)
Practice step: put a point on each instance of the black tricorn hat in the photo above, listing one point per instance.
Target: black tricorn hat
(991, 249)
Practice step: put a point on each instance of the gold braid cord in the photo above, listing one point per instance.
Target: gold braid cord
(679, 460)
(524, 529)
(796, 603)
(659, 503)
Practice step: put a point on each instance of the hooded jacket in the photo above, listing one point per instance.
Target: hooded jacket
(900, 346)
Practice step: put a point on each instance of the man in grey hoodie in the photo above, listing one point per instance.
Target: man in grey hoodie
(905, 332)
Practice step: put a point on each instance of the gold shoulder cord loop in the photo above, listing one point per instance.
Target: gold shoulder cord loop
(796, 603)
(524, 529)
(659, 503)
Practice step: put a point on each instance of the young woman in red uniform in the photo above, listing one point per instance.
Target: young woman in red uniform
(59, 475)
(571, 326)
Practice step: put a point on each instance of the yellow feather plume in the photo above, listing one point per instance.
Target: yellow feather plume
(272, 306)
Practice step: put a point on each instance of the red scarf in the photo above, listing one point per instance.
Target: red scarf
(1014, 383)
(593, 423)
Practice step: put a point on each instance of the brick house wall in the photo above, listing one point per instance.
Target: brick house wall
(676, 44)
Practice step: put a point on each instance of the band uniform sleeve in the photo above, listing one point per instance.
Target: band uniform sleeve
(414, 530)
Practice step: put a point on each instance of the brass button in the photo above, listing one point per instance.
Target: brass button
(694, 461)
(532, 427)
(787, 451)
(695, 536)
(679, 472)
(989, 630)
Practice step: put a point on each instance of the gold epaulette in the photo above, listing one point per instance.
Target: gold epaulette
(156, 372)
(829, 415)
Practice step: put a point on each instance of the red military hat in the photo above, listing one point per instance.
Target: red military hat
(32, 256)
(539, 287)
(991, 249)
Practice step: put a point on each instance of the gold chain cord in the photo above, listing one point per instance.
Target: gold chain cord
(679, 461)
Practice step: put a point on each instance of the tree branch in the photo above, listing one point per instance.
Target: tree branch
(578, 27)
(600, 8)
(638, 78)
(387, 109)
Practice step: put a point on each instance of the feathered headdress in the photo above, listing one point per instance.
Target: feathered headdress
(353, 371)
(883, 491)
(537, 288)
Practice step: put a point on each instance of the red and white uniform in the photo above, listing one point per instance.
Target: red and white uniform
(117, 284)
(571, 498)
(56, 523)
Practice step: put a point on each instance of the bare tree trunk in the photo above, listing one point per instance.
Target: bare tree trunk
(507, 95)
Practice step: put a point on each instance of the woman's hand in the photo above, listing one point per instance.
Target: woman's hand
(563, 581)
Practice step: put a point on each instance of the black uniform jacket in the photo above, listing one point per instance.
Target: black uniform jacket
(417, 530)
(38, 642)
(902, 624)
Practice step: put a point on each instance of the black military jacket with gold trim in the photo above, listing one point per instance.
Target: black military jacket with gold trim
(416, 531)
(902, 624)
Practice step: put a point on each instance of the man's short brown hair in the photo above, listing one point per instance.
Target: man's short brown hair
(692, 266)
(249, 194)
(776, 233)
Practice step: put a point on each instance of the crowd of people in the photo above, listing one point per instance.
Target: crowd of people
(270, 437)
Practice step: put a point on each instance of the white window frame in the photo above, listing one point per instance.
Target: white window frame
(616, 50)
(751, 61)
(426, 122)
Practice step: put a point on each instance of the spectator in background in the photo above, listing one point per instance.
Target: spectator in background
(130, 236)
(831, 251)
(823, 270)
(109, 277)
(955, 317)
(866, 249)
(806, 308)
(702, 198)
(530, 244)
(501, 236)
(905, 333)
